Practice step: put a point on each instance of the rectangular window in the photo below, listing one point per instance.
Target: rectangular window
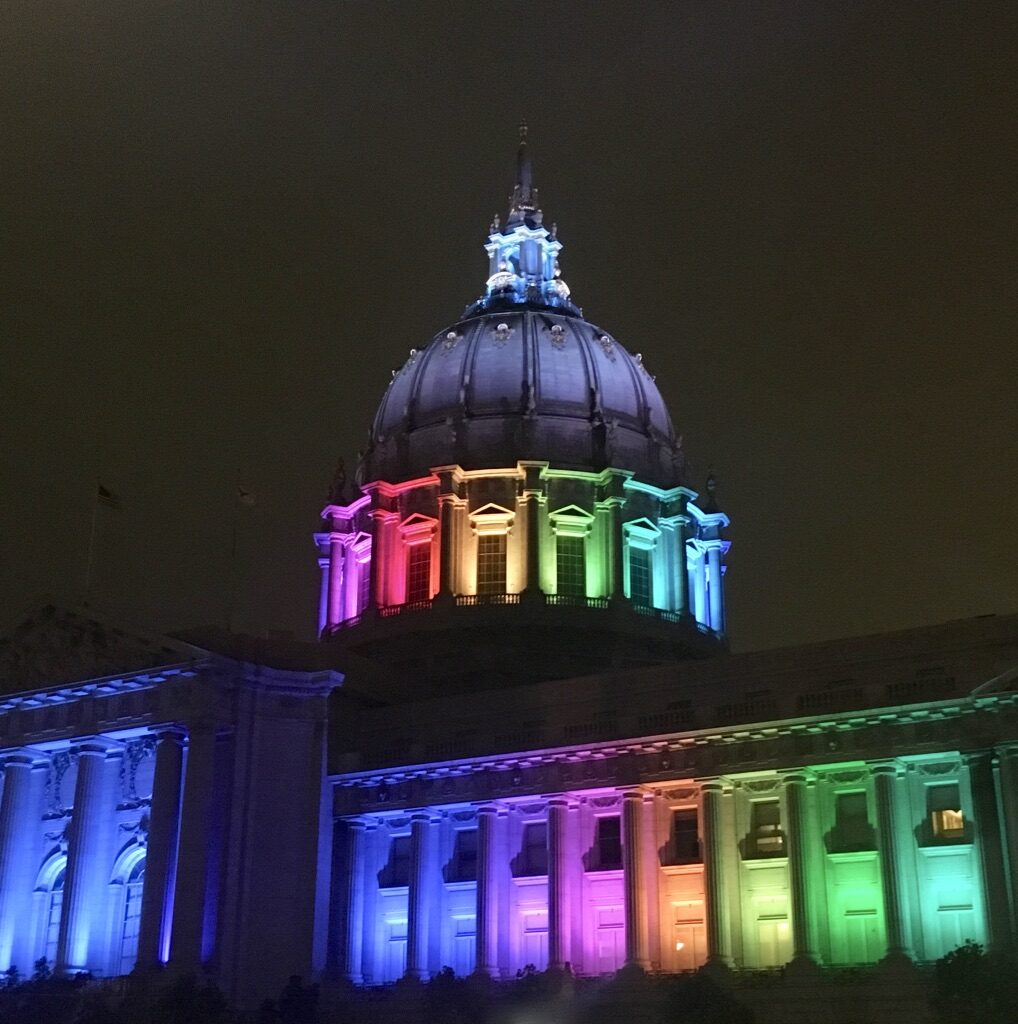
(571, 572)
(491, 564)
(418, 583)
(534, 855)
(946, 816)
(464, 856)
(640, 591)
(363, 585)
(766, 825)
(852, 829)
(608, 837)
(685, 840)
(397, 868)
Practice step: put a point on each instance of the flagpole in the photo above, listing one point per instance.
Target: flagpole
(91, 539)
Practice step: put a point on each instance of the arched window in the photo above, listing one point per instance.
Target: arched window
(50, 890)
(130, 874)
(132, 917)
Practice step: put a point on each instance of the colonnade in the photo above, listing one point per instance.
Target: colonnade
(92, 843)
(897, 856)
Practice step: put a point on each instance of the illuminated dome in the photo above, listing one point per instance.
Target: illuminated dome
(524, 382)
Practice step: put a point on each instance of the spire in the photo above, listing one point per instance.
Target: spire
(523, 203)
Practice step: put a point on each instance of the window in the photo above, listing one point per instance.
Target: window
(852, 829)
(534, 855)
(464, 855)
(418, 583)
(491, 564)
(946, 816)
(571, 572)
(363, 585)
(640, 592)
(766, 829)
(685, 839)
(608, 837)
(54, 908)
(397, 869)
(133, 887)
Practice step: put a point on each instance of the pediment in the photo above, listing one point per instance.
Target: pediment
(492, 511)
(571, 512)
(642, 525)
(52, 645)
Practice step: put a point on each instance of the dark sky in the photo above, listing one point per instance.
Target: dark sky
(223, 224)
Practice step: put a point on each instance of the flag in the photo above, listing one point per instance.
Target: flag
(104, 496)
(246, 496)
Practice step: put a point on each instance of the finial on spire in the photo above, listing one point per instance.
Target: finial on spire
(523, 203)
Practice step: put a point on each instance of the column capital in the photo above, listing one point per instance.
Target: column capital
(888, 768)
(425, 817)
(169, 734)
(718, 785)
(28, 757)
(489, 810)
(1006, 751)
(99, 745)
(798, 777)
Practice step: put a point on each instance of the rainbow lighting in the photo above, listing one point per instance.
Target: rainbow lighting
(524, 459)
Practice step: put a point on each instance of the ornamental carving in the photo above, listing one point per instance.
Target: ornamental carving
(558, 336)
(605, 801)
(847, 778)
(939, 769)
(502, 334)
(539, 808)
(761, 785)
(607, 346)
(679, 794)
(450, 341)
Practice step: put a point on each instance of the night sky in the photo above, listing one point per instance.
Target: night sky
(223, 224)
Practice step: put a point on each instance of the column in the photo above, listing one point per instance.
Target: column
(533, 544)
(718, 948)
(161, 855)
(632, 870)
(323, 595)
(698, 583)
(803, 947)
(336, 574)
(885, 777)
(196, 837)
(681, 573)
(420, 897)
(20, 812)
(446, 543)
(487, 892)
(991, 854)
(715, 589)
(1007, 799)
(617, 552)
(558, 898)
(92, 828)
(353, 959)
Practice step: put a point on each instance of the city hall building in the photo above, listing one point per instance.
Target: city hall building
(520, 739)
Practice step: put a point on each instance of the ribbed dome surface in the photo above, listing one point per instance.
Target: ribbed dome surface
(523, 383)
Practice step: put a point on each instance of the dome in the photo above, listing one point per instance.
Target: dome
(524, 382)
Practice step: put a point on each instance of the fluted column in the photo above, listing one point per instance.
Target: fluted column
(421, 896)
(991, 855)
(487, 921)
(446, 511)
(632, 869)
(20, 811)
(1007, 782)
(715, 589)
(336, 575)
(91, 833)
(323, 595)
(803, 947)
(355, 881)
(558, 869)
(885, 777)
(187, 947)
(698, 582)
(161, 855)
(617, 552)
(681, 573)
(533, 544)
(718, 949)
